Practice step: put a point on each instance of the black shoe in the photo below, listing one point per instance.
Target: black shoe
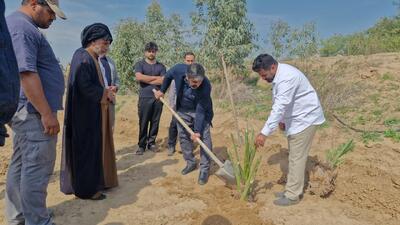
(188, 169)
(171, 151)
(98, 197)
(152, 148)
(203, 178)
(140, 151)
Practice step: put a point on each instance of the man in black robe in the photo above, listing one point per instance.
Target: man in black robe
(9, 77)
(88, 164)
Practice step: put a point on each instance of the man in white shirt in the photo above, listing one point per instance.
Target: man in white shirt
(297, 110)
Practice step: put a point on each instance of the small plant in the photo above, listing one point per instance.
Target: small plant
(392, 134)
(245, 168)
(374, 98)
(360, 120)
(335, 156)
(324, 125)
(377, 113)
(370, 136)
(391, 122)
(387, 76)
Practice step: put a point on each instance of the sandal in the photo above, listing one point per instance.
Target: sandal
(98, 196)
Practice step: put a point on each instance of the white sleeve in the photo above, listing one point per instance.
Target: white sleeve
(284, 96)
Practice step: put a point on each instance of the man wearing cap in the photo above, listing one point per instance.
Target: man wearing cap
(88, 151)
(35, 124)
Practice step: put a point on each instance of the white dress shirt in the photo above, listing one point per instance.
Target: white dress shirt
(295, 102)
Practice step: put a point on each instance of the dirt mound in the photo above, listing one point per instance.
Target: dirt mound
(322, 180)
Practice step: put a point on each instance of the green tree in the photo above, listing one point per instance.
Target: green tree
(304, 41)
(127, 48)
(279, 37)
(224, 29)
(130, 36)
(333, 46)
(300, 42)
(384, 36)
(168, 33)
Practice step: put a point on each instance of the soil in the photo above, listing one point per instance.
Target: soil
(152, 190)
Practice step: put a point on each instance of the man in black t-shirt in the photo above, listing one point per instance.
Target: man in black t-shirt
(150, 74)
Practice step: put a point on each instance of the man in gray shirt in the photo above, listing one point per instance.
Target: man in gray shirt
(35, 125)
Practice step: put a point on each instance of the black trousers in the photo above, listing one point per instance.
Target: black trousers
(150, 110)
(172, 133)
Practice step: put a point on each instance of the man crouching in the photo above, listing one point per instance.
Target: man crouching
(194, 106)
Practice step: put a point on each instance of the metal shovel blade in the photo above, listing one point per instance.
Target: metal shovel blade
(226, 172)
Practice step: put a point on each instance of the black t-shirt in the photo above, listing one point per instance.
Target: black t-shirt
(157, 69)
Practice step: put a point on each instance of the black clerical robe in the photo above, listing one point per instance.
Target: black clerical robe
(88, 157)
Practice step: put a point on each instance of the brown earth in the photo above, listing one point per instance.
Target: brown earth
(152, 190)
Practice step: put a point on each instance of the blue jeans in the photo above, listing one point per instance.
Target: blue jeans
(29, 172)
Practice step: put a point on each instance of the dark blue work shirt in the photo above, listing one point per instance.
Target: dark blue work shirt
(34, 54)
(202, 96)
(188, 98)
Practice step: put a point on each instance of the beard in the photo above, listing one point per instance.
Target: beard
(98, 50)
(270, 79)
(44, 25)
(151, 57)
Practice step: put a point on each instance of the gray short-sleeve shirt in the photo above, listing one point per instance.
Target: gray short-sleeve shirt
(34, 54)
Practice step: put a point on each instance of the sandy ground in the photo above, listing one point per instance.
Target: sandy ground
(152, 190)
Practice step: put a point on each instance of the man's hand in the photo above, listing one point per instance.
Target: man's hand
(33, 89)
(113, 89)
(195, 136)
(110, 96)
(260, 140)
(50, 124)
(282, 126)
(3, 134)
(158, 94)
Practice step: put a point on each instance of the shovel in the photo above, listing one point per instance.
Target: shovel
(225, 171)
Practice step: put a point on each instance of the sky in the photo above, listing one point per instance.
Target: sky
(331, 16)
